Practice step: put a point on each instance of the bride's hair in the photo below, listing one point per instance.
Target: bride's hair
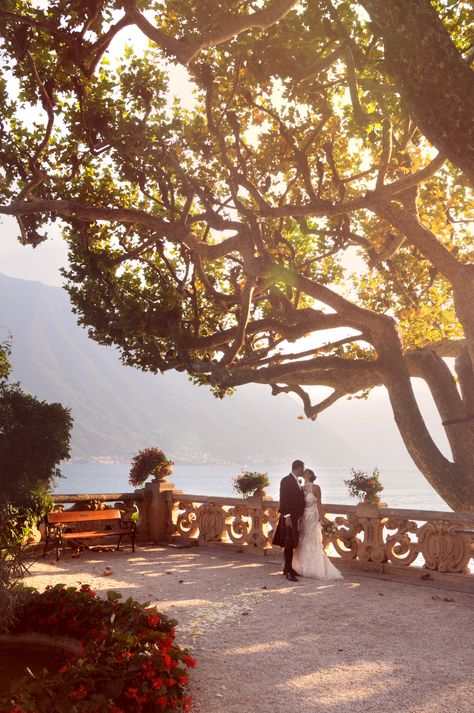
(311, 474)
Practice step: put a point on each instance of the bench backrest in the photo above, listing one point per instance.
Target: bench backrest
(61, 516)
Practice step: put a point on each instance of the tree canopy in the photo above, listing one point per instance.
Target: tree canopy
(318, 176)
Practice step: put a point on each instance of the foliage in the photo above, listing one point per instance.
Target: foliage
(296, 189)
(144, 464)
(34, 438)
(5, 366)
(249, 481)
(127, 661)
(367, 487)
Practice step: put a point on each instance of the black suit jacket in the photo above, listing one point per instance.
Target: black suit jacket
(291, 503)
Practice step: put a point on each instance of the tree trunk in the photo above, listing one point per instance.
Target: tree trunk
(434, 81)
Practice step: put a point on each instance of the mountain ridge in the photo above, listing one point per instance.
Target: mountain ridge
(118, 410)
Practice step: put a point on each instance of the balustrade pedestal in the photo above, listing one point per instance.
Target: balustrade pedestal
(155, 508)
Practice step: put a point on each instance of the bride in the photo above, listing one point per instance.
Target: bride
(309, 558)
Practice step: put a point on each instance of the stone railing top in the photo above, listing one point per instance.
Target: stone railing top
(101, 497)
(427, 514)
(336, 508)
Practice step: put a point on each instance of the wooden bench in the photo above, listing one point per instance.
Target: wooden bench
(61, 527)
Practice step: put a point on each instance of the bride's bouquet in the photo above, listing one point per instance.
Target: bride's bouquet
(329, 528)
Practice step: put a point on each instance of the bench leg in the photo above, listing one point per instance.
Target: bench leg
(46, 543)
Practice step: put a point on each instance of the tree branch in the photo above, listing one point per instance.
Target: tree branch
(186, 49)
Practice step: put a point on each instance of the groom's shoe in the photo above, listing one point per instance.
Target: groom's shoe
(291, 577)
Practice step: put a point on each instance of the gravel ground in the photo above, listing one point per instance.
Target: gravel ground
(266, 645)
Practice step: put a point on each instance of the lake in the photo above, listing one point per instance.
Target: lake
(404, 488)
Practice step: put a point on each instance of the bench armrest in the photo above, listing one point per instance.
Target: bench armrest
(128, 524)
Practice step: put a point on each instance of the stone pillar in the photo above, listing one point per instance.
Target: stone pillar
(155, 511)
(258, 535)
(372, 547)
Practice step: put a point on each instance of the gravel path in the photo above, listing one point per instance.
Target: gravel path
(266, 645)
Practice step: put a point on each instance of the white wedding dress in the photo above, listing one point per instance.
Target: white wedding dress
(309, 558)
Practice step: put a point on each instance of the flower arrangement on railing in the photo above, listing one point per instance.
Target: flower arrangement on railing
(149, 461)
(365, 487)
(250, 481)
(127, 661)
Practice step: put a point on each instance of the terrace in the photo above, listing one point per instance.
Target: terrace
(395, 634)
(369, 643)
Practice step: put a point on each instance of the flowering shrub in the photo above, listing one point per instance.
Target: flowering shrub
(127, 661)
(250, 481)
(144, 464)
(365, 486)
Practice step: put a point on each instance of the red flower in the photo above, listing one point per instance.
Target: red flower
(167, 661)
(189, 661)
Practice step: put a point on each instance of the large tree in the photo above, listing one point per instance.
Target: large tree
(319, 179)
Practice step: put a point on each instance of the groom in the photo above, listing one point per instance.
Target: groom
(291, 509)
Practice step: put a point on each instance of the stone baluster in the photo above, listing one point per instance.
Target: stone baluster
(372, 547)
(258, 535)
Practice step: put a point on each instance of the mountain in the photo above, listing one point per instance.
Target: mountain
(118, 410)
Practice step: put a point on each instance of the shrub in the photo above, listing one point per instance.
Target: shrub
(249, 481)
(127, 662)
(34, 438)
(365, 486)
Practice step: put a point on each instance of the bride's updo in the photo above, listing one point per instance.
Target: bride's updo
(311, 475)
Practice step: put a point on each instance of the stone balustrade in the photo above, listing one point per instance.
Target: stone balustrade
(367, 536)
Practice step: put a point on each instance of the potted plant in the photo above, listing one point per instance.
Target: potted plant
(149, 461)
(250, 482)
(365, 487)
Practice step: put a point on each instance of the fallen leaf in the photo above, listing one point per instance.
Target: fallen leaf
(180, 581)
(380, 594)
(435, 597)
(264, 587)
(300, 418)
(107, 572)
(426, 576)
(448, 599)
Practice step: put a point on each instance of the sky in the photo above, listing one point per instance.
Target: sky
(41, 264)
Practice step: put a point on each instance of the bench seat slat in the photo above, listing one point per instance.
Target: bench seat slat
(83, 515)
(86, 535)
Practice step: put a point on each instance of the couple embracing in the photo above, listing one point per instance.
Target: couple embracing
(299, 527)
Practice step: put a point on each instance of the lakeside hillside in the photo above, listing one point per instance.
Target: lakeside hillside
(118, 410)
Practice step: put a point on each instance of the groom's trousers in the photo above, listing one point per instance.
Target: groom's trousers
(288, 549)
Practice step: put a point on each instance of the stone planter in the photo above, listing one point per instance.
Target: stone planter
(35, 651)
(162, 472)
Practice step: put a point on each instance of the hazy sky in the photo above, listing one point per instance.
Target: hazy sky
(41, 263)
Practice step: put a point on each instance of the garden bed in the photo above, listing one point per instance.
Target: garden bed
(126, 661)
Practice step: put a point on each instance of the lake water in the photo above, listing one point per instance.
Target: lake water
(404, 488)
